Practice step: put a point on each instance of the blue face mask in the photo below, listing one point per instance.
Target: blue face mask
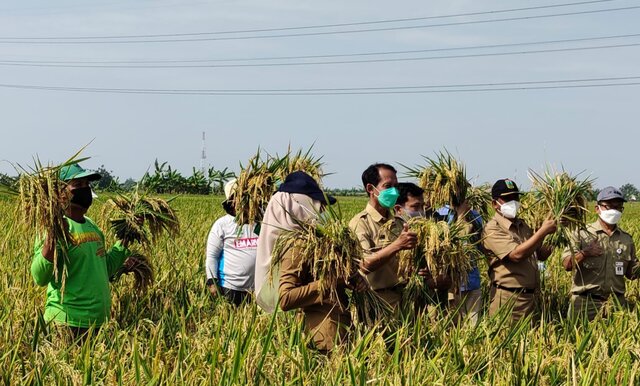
(387, 198)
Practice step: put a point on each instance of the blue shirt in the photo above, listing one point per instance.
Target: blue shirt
(473, 278)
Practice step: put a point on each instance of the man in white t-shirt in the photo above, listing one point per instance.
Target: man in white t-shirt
(231, 254)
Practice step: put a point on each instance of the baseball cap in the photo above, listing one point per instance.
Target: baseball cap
(301, 182)
(610, 193)
(504, 187)
(230, 187)
(75, 171)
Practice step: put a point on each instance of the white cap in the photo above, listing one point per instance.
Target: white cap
(230, 187)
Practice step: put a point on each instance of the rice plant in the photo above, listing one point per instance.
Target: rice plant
(443, 178)
(137, 217)
(563, 198)
(262, 175)
(332, 254)
(442, 249)
(140, 266)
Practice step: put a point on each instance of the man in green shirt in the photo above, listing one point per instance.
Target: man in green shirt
(85, 300)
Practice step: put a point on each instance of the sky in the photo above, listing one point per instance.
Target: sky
(497, 134)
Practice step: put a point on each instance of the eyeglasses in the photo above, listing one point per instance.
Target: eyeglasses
(619, 207)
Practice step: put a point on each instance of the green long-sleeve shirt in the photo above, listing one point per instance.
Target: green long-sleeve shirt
(86, 300)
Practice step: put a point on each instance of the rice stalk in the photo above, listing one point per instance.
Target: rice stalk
(136, 217)
(301, 161)
(479, 198)
(563, 198)
(443, 249)
(140, 266)
(330, 251)
(43, 199)
(443, 178)
(262, 175)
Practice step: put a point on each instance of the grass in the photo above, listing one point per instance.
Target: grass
(175, 333)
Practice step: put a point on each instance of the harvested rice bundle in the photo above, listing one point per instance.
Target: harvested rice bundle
(564, 199)
(140, 266)
(443, 179)
(254, 187)
(140, 218)
(259, 180)
(479, 199)
(532, 209)
(300, 161)
(331, 253)
(444, 249)
(43, 199)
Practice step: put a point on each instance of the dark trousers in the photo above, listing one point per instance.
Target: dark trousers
(235, 297)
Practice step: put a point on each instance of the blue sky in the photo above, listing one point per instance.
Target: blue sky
(497, 134)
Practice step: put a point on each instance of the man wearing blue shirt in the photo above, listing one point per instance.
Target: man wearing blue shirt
(467, 299)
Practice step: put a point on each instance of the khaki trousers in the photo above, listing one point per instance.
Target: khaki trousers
(328, 325)
(521, 304)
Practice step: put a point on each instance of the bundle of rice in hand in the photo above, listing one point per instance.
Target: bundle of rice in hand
(332, 254)
(443, 179)
(443, 249)
(532, 210)
(140, 266)
(136, 217)
(562, 198)
(259, 180)
(479, 198)
(43, 199)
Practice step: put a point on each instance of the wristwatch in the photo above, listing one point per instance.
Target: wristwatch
(211, 281)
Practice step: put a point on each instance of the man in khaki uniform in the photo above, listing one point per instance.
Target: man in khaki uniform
(513, 250)
(601, 257)
(380, 245)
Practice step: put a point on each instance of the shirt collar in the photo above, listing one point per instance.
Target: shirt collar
(375, 215)
(505, 222)
(597, 227)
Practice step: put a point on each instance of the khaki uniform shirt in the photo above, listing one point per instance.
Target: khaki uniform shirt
(367, 226)
(602, 275)
(325, 319)
(500, 237)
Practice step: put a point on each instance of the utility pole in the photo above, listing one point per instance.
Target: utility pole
(203, 157)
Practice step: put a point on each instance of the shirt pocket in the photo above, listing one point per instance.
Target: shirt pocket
(593, 263)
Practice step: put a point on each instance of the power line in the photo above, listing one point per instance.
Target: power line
(287, 35)
(370, 22)
(304, 57)
(422, 89)
(383, 60)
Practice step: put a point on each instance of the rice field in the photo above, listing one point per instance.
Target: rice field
(176, 334)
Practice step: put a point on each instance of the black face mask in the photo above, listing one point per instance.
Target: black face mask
(82, 197)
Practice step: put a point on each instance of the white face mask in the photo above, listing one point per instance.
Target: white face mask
(510, 209)
(610, 216)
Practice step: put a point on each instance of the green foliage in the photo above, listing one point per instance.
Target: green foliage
(176, 334)
(164, 179)
(630, 192)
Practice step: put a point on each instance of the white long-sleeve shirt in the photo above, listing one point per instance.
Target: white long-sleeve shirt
(231, 255)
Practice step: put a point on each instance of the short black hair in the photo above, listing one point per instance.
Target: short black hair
(371, 175)
(407, 189)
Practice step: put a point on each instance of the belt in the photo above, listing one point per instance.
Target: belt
(601, 298)
(515, 290)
